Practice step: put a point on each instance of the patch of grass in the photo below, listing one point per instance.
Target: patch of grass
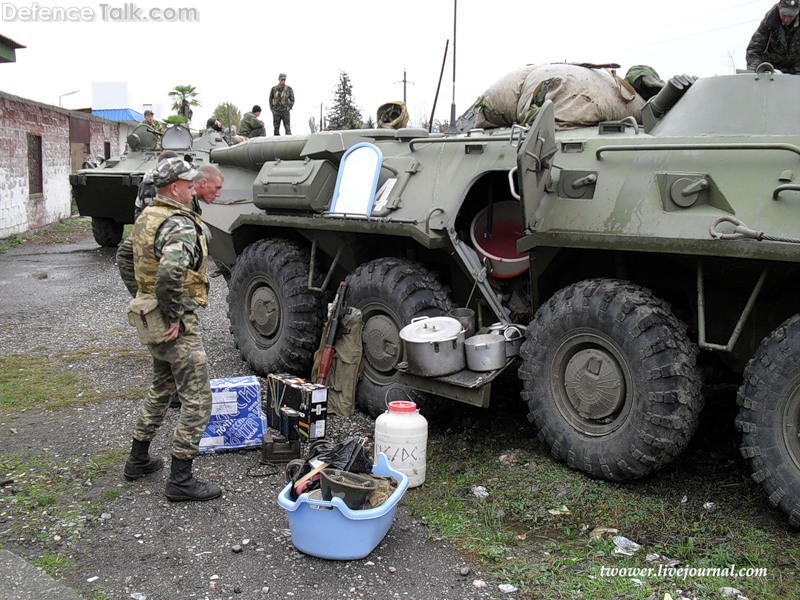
(10, 242)
(47, 501)
(517, 539)
(34, 381)
(52, 564)
(111, 494)
(62, 231)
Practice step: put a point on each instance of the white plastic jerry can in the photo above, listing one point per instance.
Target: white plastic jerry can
(401, 433)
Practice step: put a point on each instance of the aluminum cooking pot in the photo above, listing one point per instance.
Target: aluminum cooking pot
(434, 346)
(513, 334)
(485, 352)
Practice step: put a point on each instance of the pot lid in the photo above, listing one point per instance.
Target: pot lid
(431, 329)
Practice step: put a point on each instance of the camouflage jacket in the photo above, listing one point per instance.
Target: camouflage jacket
(251, 126)
(775, 44)
(169, 250)
(281, 98)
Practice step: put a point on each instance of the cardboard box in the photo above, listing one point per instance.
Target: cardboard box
(237, 420)
(309, 399)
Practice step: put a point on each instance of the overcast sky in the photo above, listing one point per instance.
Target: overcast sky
(235, 51)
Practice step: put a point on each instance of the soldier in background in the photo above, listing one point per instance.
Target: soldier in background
(776, 40)
(645, 80)
(170, 254)
(214, 124)
(251, 126)
(146, 135)
(149, 120)
(281, 101)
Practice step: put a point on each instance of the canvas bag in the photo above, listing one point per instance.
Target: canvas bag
(346, 366)
(149, 320)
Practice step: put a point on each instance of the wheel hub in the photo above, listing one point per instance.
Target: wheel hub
(594, 383)
(264, 311)
(381, 342)
(791, 425)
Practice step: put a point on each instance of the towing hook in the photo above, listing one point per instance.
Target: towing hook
(740, 230)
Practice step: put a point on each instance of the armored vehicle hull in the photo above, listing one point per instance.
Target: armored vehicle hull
(652, 257)
(107, 193)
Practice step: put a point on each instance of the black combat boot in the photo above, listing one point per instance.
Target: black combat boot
(140, 462)
(182, 486)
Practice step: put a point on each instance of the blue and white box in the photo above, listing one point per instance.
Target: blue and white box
(237, 420)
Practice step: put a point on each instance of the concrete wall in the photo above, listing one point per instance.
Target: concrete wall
(19, 210)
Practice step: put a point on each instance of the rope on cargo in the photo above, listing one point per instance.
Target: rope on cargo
(742, 231)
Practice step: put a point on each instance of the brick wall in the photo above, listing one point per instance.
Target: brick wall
(19, 210)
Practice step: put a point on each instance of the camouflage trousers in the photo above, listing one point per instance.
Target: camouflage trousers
(277, 117)
(182, 365)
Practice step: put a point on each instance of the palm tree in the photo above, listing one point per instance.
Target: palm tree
(183, 98)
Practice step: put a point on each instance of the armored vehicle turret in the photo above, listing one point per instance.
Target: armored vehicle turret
(640, 258)
(107, 192)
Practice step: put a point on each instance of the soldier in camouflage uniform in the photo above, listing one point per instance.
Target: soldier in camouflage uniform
(146, 135)
(777, 40)
(281, 101)
(207, 188)
(251, 126)
(170, 261)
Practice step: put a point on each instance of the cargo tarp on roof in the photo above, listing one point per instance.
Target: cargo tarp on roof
(582, 96)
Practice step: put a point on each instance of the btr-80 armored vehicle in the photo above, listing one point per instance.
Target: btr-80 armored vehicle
(107, 192)
(638, 257)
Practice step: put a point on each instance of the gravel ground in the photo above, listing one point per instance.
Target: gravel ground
(66, 299)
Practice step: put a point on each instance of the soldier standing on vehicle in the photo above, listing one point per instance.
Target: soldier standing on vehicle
(777, 40)
(170, 261)
(251, 126)
(281, 101)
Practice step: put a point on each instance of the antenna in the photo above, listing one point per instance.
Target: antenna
(452, 128)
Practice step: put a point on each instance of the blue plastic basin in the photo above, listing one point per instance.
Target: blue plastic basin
(329, 529)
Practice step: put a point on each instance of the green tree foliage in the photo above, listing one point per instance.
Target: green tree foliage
(174, 120)
(344, 114)
(221, 113)
(184, 97)
(370, 124)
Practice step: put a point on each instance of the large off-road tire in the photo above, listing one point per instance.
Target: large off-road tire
(610, 379)
(107, 232)
(275, 319)
(769, 417)
(390, 292)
